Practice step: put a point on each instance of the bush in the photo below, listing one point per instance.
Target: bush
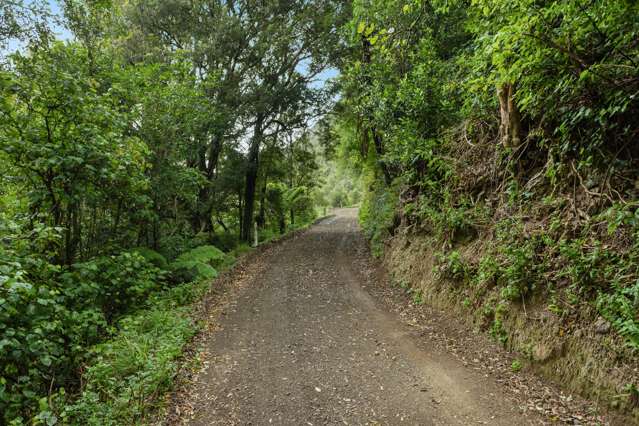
(49, 316)
(209, 255)
(186, 271)
(377, 216)
(114, 283)
(153, 257)
(127, 374)
(227, 241)
(200, 263)
(452, 266)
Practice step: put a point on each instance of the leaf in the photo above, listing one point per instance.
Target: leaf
(369, 30)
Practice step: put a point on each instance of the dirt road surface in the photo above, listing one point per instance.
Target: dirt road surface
(303, 341)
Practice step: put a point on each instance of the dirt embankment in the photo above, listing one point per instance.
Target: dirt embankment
(584, 358)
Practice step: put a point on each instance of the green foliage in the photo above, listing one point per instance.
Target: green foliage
(377, 215)
(516, 366)
(65, 133)
(568, 60)
(241, 249)
(47, 323)
(420, 107)
(120, 150)
(418, 297)
(620, 307)
(200, 263)
(497, 330)
(126, 374)
(452, 266)
(487, 272)
(209, 255)
(191, 270)
(153, 257)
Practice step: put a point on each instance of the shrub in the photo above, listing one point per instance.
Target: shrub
(620, 307)
(153, 257)
(200, 263)
(127, 374)
(191, 270)
(516, 366)
(227, 241)
(240, 250)
(452, 266)
(209, 255)
(377, 216)
(114, 283)
(49, 316)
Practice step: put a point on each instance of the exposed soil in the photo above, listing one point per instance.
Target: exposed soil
(310, 334)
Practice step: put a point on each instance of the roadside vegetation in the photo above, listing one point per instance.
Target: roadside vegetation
(140, 154)
(504, 134)
(138, 158)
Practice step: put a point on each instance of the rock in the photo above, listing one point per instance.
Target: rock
(602, 326)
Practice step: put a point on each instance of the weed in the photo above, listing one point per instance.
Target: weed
(497, 330)
(127, 374)
(516, 366)
(451, 266)
(418, 297)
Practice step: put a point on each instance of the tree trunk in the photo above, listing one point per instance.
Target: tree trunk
(240, 209)
(207, 161)
(379, 150)
(251, 180)
(261, 217)
(510, 127)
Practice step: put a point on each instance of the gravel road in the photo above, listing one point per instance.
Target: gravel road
(303, 342)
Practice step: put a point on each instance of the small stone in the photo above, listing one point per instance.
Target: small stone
(602, 326)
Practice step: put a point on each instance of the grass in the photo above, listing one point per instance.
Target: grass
(130, 373)
(126, 376)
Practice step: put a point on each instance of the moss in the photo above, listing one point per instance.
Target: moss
(208, 255)
(191, 270)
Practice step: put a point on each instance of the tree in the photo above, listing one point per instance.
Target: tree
(296, 41)
(23, 21)
(69, 141)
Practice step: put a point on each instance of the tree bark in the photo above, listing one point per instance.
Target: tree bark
(261, 217)
(510, 127)
(207, 161)
(251, 180)
(379, 150)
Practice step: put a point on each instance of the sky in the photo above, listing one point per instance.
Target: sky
(59, 31)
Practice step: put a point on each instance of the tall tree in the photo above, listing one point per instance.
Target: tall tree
(296, 41)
